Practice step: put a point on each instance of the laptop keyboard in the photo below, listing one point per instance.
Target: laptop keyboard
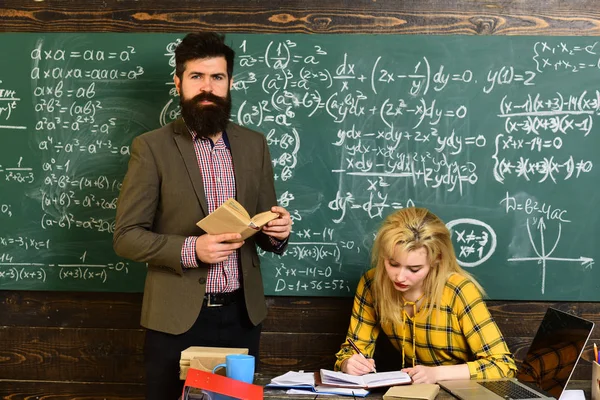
(509, 390)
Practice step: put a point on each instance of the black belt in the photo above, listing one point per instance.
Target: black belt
(221, 299)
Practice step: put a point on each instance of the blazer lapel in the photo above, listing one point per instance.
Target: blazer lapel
(183, 139)
(237, 147)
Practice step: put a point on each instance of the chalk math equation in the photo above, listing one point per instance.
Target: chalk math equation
(499, 145)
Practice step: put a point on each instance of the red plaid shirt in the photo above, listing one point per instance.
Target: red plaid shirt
(218, 176)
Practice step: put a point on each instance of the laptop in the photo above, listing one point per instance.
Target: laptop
(546, 369)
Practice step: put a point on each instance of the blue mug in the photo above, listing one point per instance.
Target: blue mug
(239, 367)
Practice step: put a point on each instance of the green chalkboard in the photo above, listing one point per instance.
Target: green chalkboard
(497, 135)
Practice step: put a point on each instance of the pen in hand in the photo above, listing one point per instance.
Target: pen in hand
(355, 347)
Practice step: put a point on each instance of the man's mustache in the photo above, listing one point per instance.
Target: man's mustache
(206, 96)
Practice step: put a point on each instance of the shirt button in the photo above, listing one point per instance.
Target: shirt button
(219, 180)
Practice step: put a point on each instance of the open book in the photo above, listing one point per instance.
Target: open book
(304, 382)
(232, 217)
(368, 381)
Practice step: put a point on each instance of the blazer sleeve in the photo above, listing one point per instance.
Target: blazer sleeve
(136, 208)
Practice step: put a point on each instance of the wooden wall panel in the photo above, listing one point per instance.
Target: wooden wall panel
(30, 390)
(62, 354)
(95, 337)
(308, 314)
(504, 17)
(69, 310)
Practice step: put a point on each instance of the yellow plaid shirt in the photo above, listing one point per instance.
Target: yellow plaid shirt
(463, 332)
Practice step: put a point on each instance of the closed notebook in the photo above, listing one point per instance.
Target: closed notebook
(426, 391)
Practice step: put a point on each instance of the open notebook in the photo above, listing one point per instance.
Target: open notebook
(332, 382)
(368, 381)
(304, 382)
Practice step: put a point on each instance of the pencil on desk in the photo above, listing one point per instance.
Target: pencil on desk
(355, 347)
(596, 353)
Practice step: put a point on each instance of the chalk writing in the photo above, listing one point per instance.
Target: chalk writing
(496, 136)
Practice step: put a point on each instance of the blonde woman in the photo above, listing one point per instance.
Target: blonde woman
(429, 307)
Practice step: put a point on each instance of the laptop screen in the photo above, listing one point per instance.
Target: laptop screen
(555, 350)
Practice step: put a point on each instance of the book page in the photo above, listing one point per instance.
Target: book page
(342, 391)
(261, 219)
(223, 220)
(329, 377)
(386, 378)
(232, 217)
(234, 205)
(294, 379)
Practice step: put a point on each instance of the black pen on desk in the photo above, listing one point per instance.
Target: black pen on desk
(355, 347)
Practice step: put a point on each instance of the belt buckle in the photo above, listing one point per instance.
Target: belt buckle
(209, 302)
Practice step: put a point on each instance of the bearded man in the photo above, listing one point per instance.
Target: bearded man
(201, 289)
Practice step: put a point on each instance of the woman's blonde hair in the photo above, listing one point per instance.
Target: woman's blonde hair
(412, 229)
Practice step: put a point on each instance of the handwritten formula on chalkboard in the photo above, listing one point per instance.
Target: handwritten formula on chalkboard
(496, 135)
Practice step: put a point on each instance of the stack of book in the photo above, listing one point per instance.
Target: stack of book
(204, 358)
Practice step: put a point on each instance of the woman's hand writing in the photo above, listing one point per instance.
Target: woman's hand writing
(358, 365)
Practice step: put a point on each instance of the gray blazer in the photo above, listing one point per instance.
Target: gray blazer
(160, 202)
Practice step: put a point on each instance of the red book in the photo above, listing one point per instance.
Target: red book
(214, 383)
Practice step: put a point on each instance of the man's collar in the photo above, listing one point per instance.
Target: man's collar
(225, 139)
(181, 127)
(212, 143)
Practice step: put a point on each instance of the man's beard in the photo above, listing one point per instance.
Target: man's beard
(207, 120)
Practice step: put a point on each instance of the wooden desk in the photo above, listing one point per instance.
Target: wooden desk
(272, 394)
(276, 394)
